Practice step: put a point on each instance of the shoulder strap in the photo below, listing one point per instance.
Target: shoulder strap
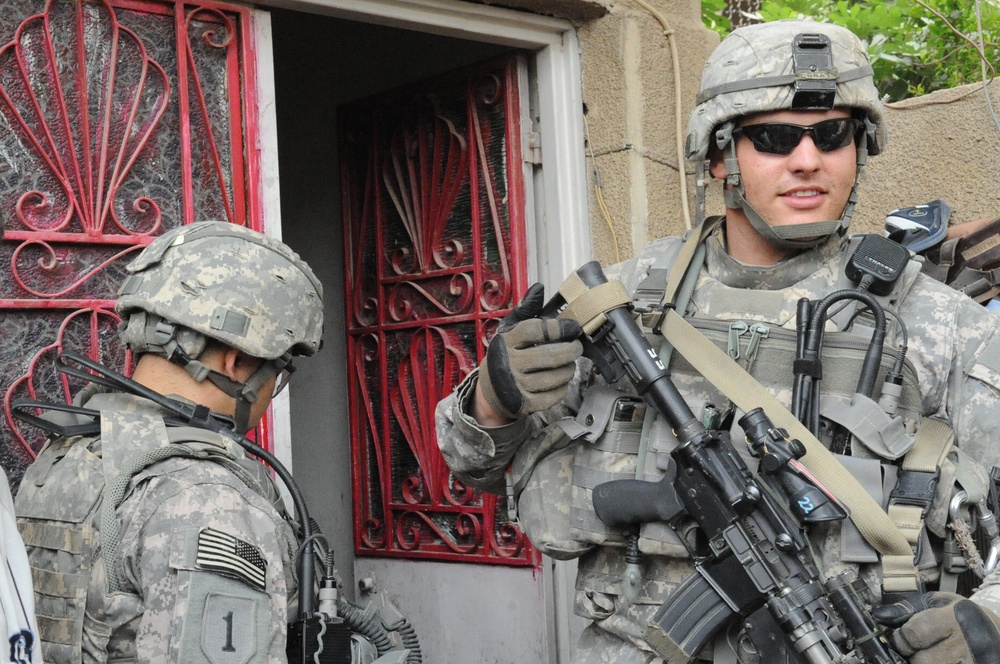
(686, 259)
(918, 475)
(151, 442)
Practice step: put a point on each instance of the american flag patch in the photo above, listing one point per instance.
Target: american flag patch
(227, 555)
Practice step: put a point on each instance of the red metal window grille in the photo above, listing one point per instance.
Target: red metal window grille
(434, 242)
(119, 119)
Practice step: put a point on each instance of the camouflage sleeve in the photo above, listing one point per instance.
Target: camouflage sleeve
(974, 387)
(974, 400)
(479, 456)
(988, 594)
(209, 558)
(954, 343)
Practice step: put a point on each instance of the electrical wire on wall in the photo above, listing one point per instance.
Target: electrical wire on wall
(678, 110)
(982, 63)
(605, 213)
(678, 135)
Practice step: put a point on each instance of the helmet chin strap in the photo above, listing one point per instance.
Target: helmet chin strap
(795, 236)
(245, 394)
(148, 333)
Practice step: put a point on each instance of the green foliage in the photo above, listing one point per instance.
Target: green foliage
(913, 49)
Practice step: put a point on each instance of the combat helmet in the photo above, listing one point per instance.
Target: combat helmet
(784, 65)
(221, 281)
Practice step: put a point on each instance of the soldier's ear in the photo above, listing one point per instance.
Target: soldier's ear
(716, 163)
(231, 364)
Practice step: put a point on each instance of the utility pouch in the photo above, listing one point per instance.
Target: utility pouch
(959, 471)
(771, 358)
(882, 435)
(611, 422)
(540, 474)
(56, 506)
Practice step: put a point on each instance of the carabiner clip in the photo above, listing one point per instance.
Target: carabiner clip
(987, 521)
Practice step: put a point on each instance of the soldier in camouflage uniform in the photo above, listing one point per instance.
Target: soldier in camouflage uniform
(160, 542)
(534, 421)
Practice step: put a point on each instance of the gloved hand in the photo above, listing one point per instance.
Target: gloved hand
(530, 360)
(942, 628)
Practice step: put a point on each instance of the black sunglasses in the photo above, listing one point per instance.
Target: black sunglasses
(782, 138)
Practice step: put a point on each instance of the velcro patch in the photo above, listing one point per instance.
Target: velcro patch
(233, 557)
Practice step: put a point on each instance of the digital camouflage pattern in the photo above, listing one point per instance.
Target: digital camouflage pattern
(954, 347)
(187, 276)
(762, 51)
(172, 608)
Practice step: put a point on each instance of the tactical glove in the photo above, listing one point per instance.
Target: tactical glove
(530, 360)
(942, 628)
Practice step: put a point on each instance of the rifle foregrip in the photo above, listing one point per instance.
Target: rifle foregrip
(687, 620)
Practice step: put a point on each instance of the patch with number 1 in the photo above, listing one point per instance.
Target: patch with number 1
(229, 629)
(233, 557)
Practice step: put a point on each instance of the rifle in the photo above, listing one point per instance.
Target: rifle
(759, 565)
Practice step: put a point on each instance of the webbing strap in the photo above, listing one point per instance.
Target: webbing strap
(774, 81)
(930, 447)
(899, 572)
(112, 498)
(684, 259)
(588, 305)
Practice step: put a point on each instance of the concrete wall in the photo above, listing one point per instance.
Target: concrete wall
(942, 145)
(629, 97)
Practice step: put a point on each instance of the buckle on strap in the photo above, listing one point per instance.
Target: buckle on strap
(915, 487)
(649, 293)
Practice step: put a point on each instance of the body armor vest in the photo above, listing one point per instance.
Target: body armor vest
(59, 508)
(607, 430)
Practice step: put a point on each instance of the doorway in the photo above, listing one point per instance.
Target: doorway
(322, 62)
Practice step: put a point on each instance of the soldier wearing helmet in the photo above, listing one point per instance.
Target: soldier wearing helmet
(158, 541)
(786, 117)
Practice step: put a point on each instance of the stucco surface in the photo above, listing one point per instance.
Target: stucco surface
(942, 145)
(629, 98)
(570, 9)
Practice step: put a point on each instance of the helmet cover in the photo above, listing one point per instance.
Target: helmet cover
(753, 70)
(231, 284)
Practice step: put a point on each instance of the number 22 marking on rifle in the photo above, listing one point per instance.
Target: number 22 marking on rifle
(659, 363)
(806, 504)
